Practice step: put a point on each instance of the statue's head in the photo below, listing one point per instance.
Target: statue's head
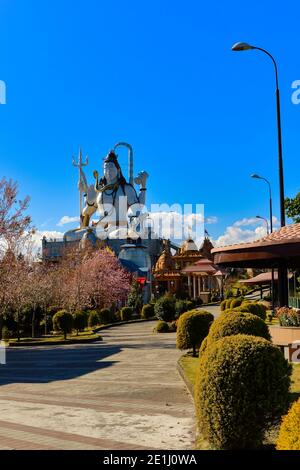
(112, 169)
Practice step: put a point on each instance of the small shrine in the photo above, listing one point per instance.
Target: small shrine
(189, 272)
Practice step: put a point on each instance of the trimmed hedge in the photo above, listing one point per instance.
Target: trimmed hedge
(147, 311)
(79, 321)
(5, 334)
(63, 321)
(105, 316)
(93, 319)
(255, 308)
(232, 322)
(242, 388)
(228, 303)
(126, 313)
(182, 306)
(162, 327)
(236, 302)
(164, 308)
(223, 305)
(192, 328)
(289, 433)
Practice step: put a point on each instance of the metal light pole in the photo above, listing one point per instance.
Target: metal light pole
(271, 229)
(270, 198)
(282, 270)
(266, 220)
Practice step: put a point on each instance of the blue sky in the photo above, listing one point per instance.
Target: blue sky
(161, 76)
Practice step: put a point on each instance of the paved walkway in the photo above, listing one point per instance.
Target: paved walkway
(122, 393)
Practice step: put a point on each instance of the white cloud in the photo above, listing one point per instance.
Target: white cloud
(66, 219)
(244, 231)
(36, 238)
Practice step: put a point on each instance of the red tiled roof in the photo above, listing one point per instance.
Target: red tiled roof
(261, 278)
(288, 234)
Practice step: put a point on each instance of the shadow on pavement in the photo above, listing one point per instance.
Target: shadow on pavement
(55, 363)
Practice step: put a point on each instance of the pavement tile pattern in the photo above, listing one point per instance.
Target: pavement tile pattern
(122, 393)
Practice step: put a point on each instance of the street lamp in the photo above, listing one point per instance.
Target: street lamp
(255, 176)
(243, 46)
(282, 270)
(270, 197)
(266, 220)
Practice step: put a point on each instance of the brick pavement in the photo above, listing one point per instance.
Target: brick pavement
(121, 393)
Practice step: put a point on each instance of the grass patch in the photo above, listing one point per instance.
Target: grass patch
(189, 365)
(83, 335)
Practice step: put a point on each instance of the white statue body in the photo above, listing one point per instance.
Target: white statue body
(112, 197)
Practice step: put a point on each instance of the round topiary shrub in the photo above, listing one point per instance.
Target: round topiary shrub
(105, 316)
(289, 433)
(242, 388)
(63, 321)
(228, 303)
(79, 321)
(93, 319)
(182, 306)
(164, 308)
(117, 316)
(223, 305)
(5, 334)
(192, 328)
(236, 302)
(203, 346)
(126, 313)
(233, 323)
(147, 311)
(162, 327)
(173, 326)
(254, 308)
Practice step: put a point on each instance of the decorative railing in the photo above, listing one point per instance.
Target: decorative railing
(294, 302)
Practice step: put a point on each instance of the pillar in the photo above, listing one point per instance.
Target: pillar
(194, 287)
(189, 286)
(199, 285)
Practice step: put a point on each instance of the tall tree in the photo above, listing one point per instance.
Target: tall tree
(292, 208)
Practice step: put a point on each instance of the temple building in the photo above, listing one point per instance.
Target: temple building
(189, 272)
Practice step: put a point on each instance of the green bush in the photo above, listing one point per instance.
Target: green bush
(192, 328)
(203, 346)
(228, 303)
(242, 388)
(236, 302)
(126, 313)
(164, 308)
(63, 321)
(117, 316)
(182, 306)
(93, 319)
(162, 327)
(147, 311)
(173, 326)
(228, 294)
(105, 316)
(223, 305)
(289, 433)
(5, 334)
(232, 322)
(79, 321)
(254, 308)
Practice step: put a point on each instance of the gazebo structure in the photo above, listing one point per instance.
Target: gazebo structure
(280, 249)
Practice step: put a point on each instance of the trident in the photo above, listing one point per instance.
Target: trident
(80, 164)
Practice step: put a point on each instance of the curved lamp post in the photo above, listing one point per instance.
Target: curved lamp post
(243, 46)
(255, 176)
(270, 197)
(282, 270)
(266, 220)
